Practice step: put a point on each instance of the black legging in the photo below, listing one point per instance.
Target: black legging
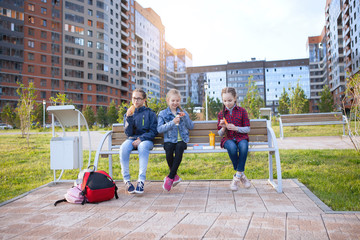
(174, 162)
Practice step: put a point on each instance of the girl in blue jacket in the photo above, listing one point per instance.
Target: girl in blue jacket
(140, 124)
(175, 124)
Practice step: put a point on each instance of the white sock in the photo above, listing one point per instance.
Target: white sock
(239, 174)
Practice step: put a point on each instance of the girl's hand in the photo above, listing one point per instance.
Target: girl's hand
(136, 142)
(231, 127)
(130, 111)
(181, 114)
(222, 123)
(177, 119)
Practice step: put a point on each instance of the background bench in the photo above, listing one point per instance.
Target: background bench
(262, 139)
(308, 119)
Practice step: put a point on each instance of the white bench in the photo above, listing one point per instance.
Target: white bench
(308, 119)
(262, 139)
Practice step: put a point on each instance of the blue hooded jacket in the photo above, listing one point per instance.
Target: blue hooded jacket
(142, 124)
(169, 128)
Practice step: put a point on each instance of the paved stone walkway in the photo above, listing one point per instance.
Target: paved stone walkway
(192, 210)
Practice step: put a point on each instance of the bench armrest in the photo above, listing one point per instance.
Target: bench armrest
(98, 151)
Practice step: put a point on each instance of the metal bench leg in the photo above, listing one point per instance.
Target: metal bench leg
(270, 168)
(110, 166)
(278, 171)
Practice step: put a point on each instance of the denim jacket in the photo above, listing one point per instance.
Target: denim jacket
(169, 128)
(142, 124)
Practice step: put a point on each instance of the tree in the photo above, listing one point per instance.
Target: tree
(26, 107)
(8, 115)
(284, 103)
(298, 101)
(214, 106)
(252, 101)
(157, 104)
(101, 116)
(189, 108)
(89, 115)
(123, 107)
(112, 113)
(326, 103)
(351, 102)
(60, 99)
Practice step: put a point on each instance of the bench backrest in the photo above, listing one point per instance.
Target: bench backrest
(200, 133)
(312, 117)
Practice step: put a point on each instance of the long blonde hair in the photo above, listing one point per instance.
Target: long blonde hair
(173, 92)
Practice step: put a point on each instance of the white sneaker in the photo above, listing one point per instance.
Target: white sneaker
(245, 181)
(234, 183)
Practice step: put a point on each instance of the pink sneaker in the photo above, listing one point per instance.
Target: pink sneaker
(177, 179)
(168, 182)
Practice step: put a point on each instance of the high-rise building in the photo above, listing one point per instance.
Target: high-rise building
(285, 74)
(150, 54)
(11, 49)
(343, 46)
(84, 49)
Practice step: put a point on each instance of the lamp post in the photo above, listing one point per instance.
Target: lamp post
(206, 104)
(44, 106)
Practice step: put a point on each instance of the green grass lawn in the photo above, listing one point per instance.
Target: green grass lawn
(332, 175)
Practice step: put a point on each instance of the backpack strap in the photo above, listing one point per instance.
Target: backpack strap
(116, 195)
(59, 201)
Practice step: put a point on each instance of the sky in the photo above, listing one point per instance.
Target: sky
(217, 32)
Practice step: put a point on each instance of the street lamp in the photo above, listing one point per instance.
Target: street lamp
(206, 104)
(44, 106)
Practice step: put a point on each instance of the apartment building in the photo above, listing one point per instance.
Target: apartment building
(83, 48)
(285, 74)
(150, 52)
(316, 46)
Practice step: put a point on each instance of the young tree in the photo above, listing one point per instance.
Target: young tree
(101, 116)
(8, 115)
(112, 113)
(326, 103)
(26, 107)
(214, 106)
(252, 101)
(123, 107)
(351, 102)
(284, 103)
(189, 108)
(89, 115)
(157, 104)
(60, 99)
(298, 101)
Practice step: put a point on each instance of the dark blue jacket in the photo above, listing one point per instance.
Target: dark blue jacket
(142, 124)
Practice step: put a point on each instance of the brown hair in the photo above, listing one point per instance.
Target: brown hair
(173, 92)
(232, 91)
(143, 93)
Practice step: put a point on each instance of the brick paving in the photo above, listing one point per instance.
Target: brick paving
(192, 210)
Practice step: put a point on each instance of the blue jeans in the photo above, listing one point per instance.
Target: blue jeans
(125, 150)
(237, 153)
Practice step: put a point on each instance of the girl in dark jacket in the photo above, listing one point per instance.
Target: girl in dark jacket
(140, 123)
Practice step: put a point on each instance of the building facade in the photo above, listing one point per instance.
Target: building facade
(318, 69)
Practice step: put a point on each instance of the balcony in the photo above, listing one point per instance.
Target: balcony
(347, 51)
(123, 6)
(124, 42)
(346, 19)
(125, 33)
(124, 51)
(124, 60)
(345, 8)
(125, 24)
(125, 16)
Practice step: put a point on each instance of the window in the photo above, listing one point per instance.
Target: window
(90, 54)
(90, 76)
(44, 1)
(43, 46)
(30, 56)
(89, 98)
(90, 44)
(43, 82)
(89, 87)
(90, 12)
(90, 23)
(55, 59)
(43, 10)
(90, 2)
(31, 7)
(90, 66)
(43, 22)
(31, 68)
(43, 70)
(43, 34)
(31, 31)
(43, 95)
(43, 58)
(31, 19)
(31, 44)
(90, 33)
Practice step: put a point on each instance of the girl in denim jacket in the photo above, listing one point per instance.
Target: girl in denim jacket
(175, 124)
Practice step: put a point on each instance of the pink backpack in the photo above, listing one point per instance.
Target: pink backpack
(73, 195)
